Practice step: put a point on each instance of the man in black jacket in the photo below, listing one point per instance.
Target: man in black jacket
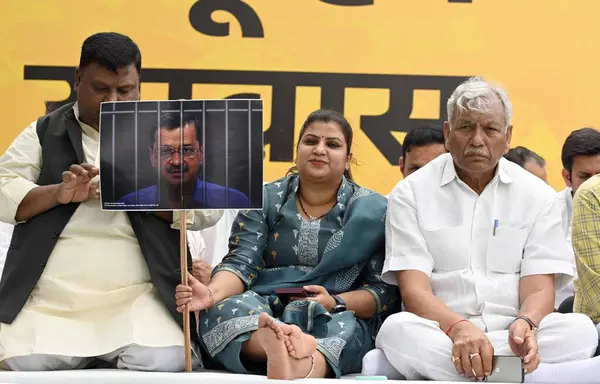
(79, 283)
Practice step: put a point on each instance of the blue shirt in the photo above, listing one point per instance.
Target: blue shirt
(207, 195)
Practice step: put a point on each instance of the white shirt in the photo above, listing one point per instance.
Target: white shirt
(564, 200)
(6, 231)
(212, 244)
(565, 203)
(438, 225)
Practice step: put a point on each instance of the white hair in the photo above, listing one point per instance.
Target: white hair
(476, 94)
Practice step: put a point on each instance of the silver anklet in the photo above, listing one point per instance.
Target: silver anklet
(312, 368)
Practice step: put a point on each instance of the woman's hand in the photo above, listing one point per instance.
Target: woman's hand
(320, 295)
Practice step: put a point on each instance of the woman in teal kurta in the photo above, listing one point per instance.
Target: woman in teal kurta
(284, 246)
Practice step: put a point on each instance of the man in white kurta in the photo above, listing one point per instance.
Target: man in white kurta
(95, 297)
(468, 255)
(210, 245)
(564, 201)
(6, 231)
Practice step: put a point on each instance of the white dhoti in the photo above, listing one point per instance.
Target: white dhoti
(133, 357)
(419, 349)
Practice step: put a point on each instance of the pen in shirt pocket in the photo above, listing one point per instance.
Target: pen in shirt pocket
(496, 222)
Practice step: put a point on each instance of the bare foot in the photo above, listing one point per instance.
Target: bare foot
(298, 343)
(280, 365)
(275, 326)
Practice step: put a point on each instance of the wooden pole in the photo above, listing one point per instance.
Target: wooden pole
(184, 269)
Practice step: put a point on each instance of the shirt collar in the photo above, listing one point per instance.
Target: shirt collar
(88, 130)
(569, 198)
(449, 172)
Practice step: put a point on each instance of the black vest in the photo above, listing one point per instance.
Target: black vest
(32, 242)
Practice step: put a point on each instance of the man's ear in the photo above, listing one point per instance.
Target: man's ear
(401, 163)
(566, 177)
(508, 138)
(154, 157)
(77, 79)
(201, 153)
(446, 135)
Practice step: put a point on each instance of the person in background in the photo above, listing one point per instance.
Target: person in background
(581, 160)
(81, 284)
(420, 146)
(528, 160)
(210, 245)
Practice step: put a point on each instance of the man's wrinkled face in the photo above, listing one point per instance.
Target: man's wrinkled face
(178, 164)
(477, 140)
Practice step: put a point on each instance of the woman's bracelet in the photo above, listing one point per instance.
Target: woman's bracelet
(212, 298)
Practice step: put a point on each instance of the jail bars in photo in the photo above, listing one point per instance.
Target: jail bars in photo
(186, 154)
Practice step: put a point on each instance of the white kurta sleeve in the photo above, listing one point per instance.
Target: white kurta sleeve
(197, 245)
(546, 251)
(20, 168)
(197, 220)
(405, 245)
(216, 238)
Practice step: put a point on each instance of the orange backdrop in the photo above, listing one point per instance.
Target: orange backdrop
(401, 55)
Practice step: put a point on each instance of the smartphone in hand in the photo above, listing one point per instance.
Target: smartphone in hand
(506, 369)
(285, 294)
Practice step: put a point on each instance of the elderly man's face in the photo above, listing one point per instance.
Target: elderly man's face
(477, 141)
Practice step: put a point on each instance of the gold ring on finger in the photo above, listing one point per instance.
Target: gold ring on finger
(473, 355)
(455, 359)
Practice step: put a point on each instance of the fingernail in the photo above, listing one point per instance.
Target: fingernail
(525, 370)
(488, 373)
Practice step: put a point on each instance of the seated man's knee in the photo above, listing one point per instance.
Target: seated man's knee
(583, 332)
(398, 326)
(573, 334)
(579, 327)
(165, 359)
